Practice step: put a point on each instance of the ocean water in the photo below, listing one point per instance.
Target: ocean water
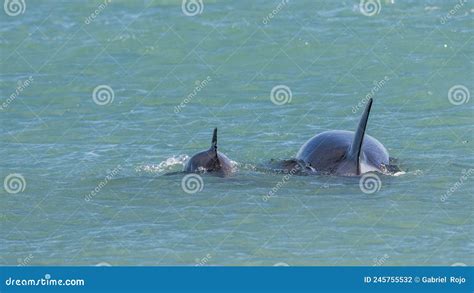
(101, 99)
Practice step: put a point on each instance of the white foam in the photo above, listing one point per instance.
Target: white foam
(165, 165)
(400, 173)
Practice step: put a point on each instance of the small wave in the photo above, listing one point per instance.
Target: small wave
(170, 164)
(417, 172)
(235, 166)
(432, 8)
(399, 173)
(92, 154)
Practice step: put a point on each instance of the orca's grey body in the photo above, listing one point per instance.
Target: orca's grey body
(345, 153)
(210, 160)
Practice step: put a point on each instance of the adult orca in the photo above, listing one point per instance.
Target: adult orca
(345, 153)
(210, 160)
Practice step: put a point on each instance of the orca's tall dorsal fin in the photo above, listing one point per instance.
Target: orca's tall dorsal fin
(214, 140)
(356, 146)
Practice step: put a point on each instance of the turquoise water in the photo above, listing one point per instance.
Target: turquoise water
(175, 77)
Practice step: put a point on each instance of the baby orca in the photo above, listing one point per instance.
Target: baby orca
(210, 160)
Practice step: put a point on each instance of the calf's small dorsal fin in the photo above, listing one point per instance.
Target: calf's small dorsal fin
(356, 146)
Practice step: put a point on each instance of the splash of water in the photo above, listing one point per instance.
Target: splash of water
(170, 164)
